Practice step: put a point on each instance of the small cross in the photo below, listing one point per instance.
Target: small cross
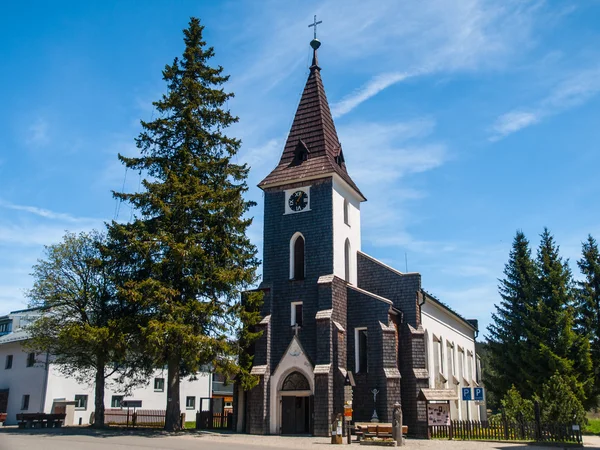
(296, 327)
(375, 392)
(314, 24)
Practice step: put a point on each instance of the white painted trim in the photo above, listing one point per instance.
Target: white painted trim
(293, 312)
(355, 194)
(357, 348)
(370, 294)
(292, 242)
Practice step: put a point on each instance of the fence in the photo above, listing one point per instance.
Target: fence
(135, 418)
(505, 430)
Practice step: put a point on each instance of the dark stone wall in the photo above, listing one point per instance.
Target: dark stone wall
(401, 289)
(366, 311)
(317, 228)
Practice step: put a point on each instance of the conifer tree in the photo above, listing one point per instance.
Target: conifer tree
(555, 346)
(190, 226)
(507, 332)
(588, 305)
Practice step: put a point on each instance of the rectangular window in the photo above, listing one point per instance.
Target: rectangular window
(346, 220)
(362, 350)
(190, 402)
(159, 385)
(450, 355)
(296, 314)
(30, 359)
(9, 360)
(25, 402)
(81, 401)
(115, 401)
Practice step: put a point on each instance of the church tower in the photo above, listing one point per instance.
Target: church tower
(330, 312)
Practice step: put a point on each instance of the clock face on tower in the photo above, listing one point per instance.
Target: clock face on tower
(298, 201)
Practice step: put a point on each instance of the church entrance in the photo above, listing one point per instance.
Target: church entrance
(296, 405)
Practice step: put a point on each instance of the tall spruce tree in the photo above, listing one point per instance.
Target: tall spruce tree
(555, 346)
(190, 226)
(588, 305)
(507, 332)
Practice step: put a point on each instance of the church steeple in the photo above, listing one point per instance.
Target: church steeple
(312, 149)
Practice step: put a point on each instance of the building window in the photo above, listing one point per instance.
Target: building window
(30, 359)
(116, 401)
(297, 257)
(296, 314)
(295, 381)
(4, 327)
(25, 402)
(190, 403)
(347, 260)
(159, 385)
(450, 355)
(361, 350)
(9, 360)
(346, 219)
(81, 401)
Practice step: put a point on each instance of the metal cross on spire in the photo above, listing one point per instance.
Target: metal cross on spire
(314, 24)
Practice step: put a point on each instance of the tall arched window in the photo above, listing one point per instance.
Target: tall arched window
(347, 260)
(346, 219)
(297, 257)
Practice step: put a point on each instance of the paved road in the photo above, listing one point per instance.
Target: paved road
(86, 439)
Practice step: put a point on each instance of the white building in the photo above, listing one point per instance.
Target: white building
(30, 383)
(452, 359)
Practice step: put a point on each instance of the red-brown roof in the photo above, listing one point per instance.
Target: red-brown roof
(313, 125)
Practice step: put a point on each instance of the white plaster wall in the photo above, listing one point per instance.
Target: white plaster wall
(293, 359)
(21, 380)
(342, 231)
(439, 321)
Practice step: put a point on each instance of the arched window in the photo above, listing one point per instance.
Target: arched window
(297, 257)
(295, 381)
(346, 220)
(347, 260)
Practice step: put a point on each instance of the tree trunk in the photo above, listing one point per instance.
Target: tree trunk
(99, 395)
(173, 417)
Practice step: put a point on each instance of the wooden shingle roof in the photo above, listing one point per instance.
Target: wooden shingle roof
(313, 130)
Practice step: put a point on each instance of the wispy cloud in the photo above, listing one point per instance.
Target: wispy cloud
(372, 88)
(41, 212)
(37, 133)
(572, 92)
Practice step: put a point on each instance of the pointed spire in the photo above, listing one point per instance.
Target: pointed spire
(314, 130)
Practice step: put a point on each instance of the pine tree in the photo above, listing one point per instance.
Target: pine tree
(507, 332)
(555, 346)
(588, 305)
(190, 226)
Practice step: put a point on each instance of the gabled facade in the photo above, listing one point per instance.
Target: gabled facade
(329, 308)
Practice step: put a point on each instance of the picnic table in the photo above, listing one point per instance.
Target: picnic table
(40, 420)
(370, 429)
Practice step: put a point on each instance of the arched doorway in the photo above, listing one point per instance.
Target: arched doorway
(296, 404)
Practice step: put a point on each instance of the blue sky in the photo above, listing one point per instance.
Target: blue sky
(461, 121)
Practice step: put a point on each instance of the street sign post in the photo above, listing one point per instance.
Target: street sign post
(466, 394)
(478, 394)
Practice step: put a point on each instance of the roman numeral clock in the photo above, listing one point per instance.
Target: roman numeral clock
(297, 200)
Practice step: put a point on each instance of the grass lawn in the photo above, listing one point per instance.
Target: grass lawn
(593, 427)
(192, 425)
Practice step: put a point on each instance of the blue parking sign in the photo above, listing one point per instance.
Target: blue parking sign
(466, 394)
(478, 394)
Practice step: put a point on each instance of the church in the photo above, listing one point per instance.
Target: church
(333, 315)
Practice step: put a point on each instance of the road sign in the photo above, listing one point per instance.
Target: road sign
(478, 394)
(466, 394)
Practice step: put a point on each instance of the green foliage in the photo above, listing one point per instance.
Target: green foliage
(554, 345)
(507, 344)
(188, 242)
(560, 401)
(516, 408)
(588, 307)
(592, 427)
(82, 321)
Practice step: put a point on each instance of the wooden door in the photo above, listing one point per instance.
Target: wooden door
(288, 415)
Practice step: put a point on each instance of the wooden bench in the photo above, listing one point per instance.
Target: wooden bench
(363, 430)
(40, 420)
